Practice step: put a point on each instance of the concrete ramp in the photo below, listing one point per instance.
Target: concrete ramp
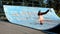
(27, 16)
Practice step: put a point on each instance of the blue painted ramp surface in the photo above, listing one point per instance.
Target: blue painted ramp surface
(27, 16)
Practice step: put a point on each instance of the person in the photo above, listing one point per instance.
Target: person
(40, 14)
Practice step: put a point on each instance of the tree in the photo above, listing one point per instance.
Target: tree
(57, 5)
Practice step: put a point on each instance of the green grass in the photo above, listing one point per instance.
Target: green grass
(57, 13)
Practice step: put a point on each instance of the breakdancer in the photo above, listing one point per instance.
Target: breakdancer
(40, 14)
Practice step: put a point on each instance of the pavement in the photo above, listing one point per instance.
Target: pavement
(8, 28)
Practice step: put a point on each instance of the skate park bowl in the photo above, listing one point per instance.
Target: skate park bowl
(27, 16)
